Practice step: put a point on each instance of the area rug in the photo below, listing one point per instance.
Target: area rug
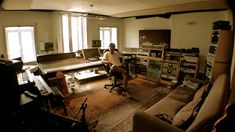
(113, 111)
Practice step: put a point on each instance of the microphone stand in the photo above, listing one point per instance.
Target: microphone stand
(83, 117)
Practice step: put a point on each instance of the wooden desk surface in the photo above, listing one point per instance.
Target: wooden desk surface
(66, 65)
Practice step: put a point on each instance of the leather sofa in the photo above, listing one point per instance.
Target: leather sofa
(174, 107)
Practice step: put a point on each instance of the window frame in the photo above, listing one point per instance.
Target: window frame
(69, 45)
(34, 41)
(109, 28)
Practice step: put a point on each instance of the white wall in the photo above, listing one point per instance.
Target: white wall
(93, 29)
(41, 20)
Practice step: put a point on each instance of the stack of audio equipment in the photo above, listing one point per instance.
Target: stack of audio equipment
(220, 50)
(221, 24)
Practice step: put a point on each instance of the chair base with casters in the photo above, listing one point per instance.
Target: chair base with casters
(115, 84)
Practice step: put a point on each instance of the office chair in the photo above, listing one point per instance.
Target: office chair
(115, 77)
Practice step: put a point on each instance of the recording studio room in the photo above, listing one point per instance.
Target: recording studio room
(128, 66)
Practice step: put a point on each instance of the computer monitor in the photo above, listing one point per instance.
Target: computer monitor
(48, 46)
(96, 43)
(91, 53)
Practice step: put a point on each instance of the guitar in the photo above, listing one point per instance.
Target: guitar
(62, 86)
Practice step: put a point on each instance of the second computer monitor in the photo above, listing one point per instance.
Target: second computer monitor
(91, 53)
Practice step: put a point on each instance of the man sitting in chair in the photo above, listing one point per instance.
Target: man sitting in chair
(112, 58)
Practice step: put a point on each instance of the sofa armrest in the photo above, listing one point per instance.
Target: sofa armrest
(143, 122)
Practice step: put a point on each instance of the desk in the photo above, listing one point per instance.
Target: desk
(49, 68)
(81, 66)
(77, 67)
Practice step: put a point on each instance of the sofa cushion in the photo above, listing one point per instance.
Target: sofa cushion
(167, 105)
(173, 102)
(213, 106)
(182, 93)
(187, 113)
(202, 92)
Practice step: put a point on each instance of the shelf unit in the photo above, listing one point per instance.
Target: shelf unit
(149, 60)
(169, 71)
(189, 66)
(162, 65)
(170, 66)
(152, 52)
(177, 64)
(219, 54)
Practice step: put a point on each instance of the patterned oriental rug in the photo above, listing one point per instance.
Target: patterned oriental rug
(113, 111)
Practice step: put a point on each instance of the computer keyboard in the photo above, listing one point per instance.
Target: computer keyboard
(94, 59)
(24, 77)
(42, 86)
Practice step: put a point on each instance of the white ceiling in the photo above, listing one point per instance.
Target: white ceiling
(116, 8)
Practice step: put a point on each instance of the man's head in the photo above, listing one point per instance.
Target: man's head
(111, 47)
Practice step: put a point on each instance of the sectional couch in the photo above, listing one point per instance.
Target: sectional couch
(186, 109)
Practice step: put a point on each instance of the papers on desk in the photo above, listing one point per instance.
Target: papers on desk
(88, 74)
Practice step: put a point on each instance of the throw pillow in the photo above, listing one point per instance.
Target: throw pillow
(202, 92)
(186, 114)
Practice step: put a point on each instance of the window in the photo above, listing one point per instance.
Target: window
(108, 35)
(76, 27)
(21, 43)
(65, 29)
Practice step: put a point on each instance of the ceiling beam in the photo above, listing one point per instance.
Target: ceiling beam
(195, 6)
(168, 15)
